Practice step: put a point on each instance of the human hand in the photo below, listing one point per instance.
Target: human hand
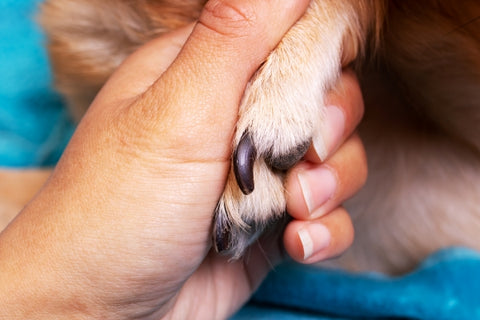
(316, 188)
(122, 227)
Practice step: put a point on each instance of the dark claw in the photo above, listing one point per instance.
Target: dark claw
(233, 240)
(285, 162)
(222, 241)
(243, 160)
(221, 234)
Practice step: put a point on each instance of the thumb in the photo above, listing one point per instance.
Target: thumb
(199, 94)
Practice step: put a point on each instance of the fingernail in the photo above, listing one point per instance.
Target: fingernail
(329, 136)
(314, 238)
(318, 186)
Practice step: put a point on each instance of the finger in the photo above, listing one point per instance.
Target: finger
(315, 189)
(203, 87)
(343, 112)
(319, 239)
(234, 37)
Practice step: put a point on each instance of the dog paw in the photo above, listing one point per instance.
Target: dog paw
(253, 199)
(281, 110)
(274, 131)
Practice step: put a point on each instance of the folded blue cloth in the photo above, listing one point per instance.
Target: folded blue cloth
(35, 127)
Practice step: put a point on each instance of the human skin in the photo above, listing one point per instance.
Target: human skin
(121, 229)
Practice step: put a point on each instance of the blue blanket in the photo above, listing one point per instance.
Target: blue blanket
(34, 129)
(34, 125)
(445, 286)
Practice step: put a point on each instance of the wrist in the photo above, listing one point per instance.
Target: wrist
(52, 268)
(37, 280)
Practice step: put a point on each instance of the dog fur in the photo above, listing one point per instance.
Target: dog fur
(419, 65)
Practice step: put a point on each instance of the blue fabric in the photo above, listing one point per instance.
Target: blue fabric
(445, 286)
(34, 126)
(34, 129)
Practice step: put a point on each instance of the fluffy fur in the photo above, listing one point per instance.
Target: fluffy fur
(419, 63)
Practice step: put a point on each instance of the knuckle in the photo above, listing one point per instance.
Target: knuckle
(229, 18)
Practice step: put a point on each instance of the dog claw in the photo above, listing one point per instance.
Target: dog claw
(288, 160)
(243, 159)
(221, 239)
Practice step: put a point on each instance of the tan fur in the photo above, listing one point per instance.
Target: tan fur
(89, 39)
(419, 62)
